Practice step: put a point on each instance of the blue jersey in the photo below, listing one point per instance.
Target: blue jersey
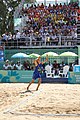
(37, 72)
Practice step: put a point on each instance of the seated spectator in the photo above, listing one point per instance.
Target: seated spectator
(6, 66)
(62, 65)
(13, 66)
(5, 38)
(18, 35)
(26, 65)
(56, 67)
(48, 70)
(49, 65)
(19, 66)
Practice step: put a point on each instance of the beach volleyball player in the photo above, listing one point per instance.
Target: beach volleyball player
(37, 71)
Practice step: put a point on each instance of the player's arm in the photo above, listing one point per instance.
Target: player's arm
(45, 59)
(35, 62)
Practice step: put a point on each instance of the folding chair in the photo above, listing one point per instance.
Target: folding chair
(48, 72)
(64, 72)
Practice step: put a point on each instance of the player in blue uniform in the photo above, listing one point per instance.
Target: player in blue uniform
(37, 71)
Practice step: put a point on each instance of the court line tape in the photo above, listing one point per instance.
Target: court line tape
(10, 109)
(46, 115)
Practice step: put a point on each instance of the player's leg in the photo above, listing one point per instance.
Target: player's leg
(39, 82)
(30, 84)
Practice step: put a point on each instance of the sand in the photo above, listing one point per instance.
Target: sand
(50, 102)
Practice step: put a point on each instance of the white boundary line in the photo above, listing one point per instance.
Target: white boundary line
(10, 109)
(47, 115)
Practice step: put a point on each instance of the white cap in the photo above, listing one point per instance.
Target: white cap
(7, 60)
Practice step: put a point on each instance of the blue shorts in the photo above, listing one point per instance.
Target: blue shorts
(35, 76)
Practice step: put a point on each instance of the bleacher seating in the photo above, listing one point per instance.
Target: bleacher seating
(45, 26)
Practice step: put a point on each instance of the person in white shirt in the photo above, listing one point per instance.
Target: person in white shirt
(49, 70)
(19, 66)
(18, 34)
(6, 66)
(13, 66)
(49, 66)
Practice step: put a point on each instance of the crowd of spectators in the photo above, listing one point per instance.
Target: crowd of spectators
(55, 66)
(51, 20)
(11, 65)
(46, 22)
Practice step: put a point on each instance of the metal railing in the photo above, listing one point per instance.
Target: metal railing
(28, 42)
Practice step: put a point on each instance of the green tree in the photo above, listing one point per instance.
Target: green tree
(7, 8)
(2, 15)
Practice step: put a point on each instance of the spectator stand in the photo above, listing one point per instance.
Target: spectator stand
(45, 26)
(52, 25)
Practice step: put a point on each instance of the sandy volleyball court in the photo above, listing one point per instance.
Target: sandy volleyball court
(50, 102)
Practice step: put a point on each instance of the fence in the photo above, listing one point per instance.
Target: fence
(29, 42)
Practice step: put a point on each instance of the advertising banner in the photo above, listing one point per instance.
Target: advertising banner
(15, 76)
(74, 77)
